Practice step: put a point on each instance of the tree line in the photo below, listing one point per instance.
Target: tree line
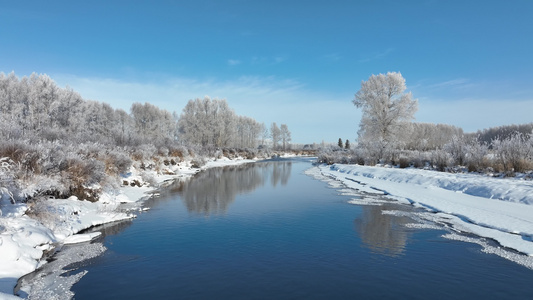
(35, 107)
(55, 142)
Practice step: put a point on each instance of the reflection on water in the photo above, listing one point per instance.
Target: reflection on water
(382, 233)
(212, 191)
(280, 172)
(111, 228)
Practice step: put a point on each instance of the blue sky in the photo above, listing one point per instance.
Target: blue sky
(469, 63)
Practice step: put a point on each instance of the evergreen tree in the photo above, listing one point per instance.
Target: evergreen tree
(340, 143)
(347, 144)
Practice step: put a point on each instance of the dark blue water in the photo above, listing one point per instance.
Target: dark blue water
(268, 231)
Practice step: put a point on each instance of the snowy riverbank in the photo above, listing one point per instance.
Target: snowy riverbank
(496, 208)
(28, 233)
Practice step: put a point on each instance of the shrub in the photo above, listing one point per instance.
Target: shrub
(440, 159)
(514, 152)
(198, 162)
(403, 162)
(117, 162)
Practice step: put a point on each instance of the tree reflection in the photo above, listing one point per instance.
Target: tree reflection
(213, 190)
(113, 228)
(382, 233)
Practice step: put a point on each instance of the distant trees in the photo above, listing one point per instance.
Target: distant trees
(280, 135)
(386, 110)
(427, 136)
(285, 136)
(150, 121)
(342, 145)
(503, 132)
(275, 134)
(265, 134)
(210, 122)
(207, 122)
(36, 108)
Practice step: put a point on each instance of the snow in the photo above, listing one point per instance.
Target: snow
(29, 231)
(224, 161)
(500, 209)
(80, 238)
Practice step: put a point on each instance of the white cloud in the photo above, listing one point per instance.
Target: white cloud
(333, 57)
(377, 56)
(450, 83)
(234, 62)
(270, 60)
(279, 59)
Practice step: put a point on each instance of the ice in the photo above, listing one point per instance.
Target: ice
(80, 238)
(56, 281)
(526, 261)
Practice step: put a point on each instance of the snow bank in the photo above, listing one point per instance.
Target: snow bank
(495, 208)
(28, 232)
(224, 161)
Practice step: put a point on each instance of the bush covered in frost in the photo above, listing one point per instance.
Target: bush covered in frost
(507, 155)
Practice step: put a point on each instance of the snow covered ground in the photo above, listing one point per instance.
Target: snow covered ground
(500, 209)
(28, 233)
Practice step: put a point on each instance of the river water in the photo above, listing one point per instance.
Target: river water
(269, 231)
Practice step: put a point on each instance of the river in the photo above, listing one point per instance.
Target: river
(269, 231)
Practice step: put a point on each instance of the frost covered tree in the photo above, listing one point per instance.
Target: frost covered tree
(427, 136)
(386, 109)
(265, 134)
(210, 122)
(285, 136)
(503, 132)
(207, 122)
(275, 133)
(515, 153)
(247, 132)
(152, 123)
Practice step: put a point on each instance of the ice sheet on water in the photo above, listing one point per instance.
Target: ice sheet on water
(80, 238)
(53, 281)
(368, 201)
(526, 261)
(423, 226)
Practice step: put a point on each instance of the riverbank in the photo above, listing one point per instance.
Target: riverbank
(495, 208)
(30, 232)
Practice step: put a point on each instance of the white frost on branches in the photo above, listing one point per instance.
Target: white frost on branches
(386, 109)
